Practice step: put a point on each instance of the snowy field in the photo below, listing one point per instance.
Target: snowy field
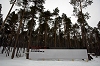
(6, 61)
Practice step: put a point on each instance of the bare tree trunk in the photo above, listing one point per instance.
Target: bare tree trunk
(69, 40)
(18, 31)
(29, 41)
(55, 39)
(45, 38)
(7, 16)
(59, 41)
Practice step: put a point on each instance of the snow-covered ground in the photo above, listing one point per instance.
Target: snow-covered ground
(6, 61)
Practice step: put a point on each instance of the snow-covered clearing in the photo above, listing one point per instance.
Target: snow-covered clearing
(6, 61)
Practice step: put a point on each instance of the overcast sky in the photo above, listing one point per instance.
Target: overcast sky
(64, 7)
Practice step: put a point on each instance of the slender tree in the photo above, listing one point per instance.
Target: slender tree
(55, 13)
(78, 6)
(67, 27)
(75, 29)
(37, 7)
(23, 4)
(7, 14)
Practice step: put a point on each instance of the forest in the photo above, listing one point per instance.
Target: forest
(32, 26)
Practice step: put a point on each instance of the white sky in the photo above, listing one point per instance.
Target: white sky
(64, 7)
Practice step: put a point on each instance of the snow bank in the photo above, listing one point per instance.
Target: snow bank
(6, 61)
(24, 62)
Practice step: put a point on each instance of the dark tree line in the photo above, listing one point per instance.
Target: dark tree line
(32, 26)
(1, 20)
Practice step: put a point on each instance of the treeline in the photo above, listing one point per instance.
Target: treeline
(32, 26)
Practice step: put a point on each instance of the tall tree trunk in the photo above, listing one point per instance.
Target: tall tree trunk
(69, 42)
(18, 31)
(83, 28)
(55, 38)
(75, 39)
(55, 34)
(29, 42)
(7, 15)
(59, 41)
(45, 39)
(37, 41)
